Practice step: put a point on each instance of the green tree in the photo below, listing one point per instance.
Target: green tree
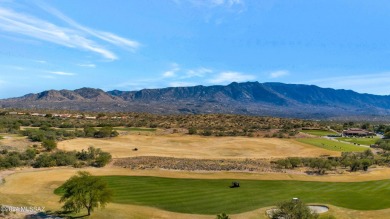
(295, 161)
(89, 131)
(223, 216)
(192, 131)
(106, 131)
(320, 165)
(44, 160)
(102, 159)
(207, 132)
(365, 126)
(49, 145)
(64, 158)
(85, 191)
(294, 209)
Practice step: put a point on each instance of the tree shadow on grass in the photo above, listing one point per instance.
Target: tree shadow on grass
(54, 215)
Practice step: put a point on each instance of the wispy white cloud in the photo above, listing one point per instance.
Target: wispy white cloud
(138, 84)
(15, 67)
(199, 72)
(47, 76)
(211, 3)
(41, 61)
(377, 83)
(230, 76)
(15, 22)
(181, 84)
(106, 36)
(169, 74)
(226, 2)
(278, 74)
(172, 72)
(62, 73)
(87, 65)
(75, 36)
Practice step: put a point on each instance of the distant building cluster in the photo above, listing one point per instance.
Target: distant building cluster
(356, 132)
(74, 116)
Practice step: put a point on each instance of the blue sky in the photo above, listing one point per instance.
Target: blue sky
(131, 44)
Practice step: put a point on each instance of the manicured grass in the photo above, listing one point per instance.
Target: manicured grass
(210, 196)
(331, 145)
(319, 132)
(364, 141)
(135, 129)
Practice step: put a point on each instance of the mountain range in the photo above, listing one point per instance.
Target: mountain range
(252, 98)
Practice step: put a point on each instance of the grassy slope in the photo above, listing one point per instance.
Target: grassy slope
(331, 145)
(211, 196)
(364, 141)
(319, 132)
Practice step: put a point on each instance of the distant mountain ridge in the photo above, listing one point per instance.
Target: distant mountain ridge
(253, 98)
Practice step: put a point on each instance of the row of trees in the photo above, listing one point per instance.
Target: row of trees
(214, 124)
(46, 133)
(384, 144)
(353, 160)
(91, 157)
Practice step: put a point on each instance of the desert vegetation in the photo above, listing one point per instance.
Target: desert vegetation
(207, 124)
(46, 133)
(355, 161)
(32, 157)
(170, 163)
(200, 147)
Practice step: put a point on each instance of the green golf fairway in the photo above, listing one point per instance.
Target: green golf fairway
(204, 196)
(331, 145)
(319, 132)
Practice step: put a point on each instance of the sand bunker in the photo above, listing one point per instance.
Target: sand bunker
(319, 209)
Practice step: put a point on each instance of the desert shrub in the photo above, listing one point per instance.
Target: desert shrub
(63, 158)
(95, 156)
(10, 160)
(223, 216)
(102, 159)
(89, 131)
(49, 145)
(294, 209)
(29, 154)
(44, 160)
(106, 132)
(207, 132)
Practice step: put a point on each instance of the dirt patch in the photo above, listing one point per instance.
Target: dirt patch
(13, 142)
(4, 174)
(184, 146)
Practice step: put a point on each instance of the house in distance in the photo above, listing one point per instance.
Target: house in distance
(356, 132)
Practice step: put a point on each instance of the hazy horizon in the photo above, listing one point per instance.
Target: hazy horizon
(184, 86)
